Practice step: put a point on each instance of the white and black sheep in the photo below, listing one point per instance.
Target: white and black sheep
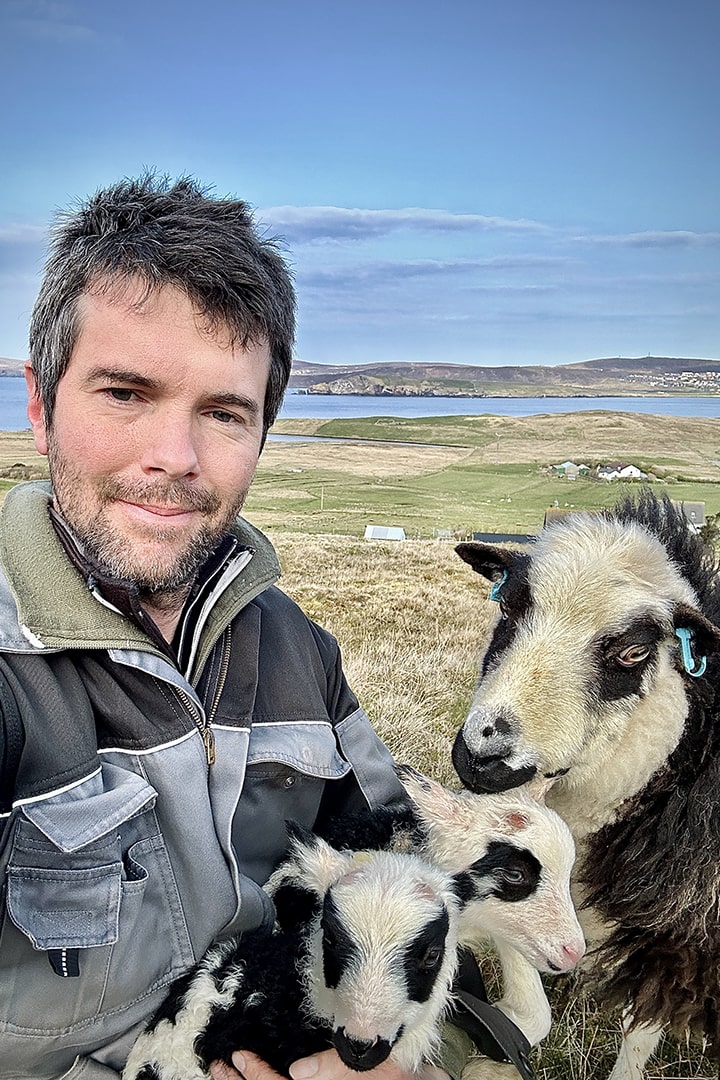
(602, 669)
(363, 959)
(518, 855)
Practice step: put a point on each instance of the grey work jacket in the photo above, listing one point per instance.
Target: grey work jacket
(124, 853)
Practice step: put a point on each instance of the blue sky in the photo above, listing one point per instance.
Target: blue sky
(472, 181)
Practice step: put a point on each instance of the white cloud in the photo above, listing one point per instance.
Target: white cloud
(305, 224)
(673, 238)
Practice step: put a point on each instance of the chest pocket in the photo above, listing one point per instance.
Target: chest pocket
(89, 889)
(288, 768)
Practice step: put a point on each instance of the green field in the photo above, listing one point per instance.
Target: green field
(467, 474)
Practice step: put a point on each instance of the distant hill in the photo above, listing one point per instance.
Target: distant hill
(11, 367)
(613, 375)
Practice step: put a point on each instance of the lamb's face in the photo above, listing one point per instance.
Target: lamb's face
(518, 855)
(383, 959)
(582, 648)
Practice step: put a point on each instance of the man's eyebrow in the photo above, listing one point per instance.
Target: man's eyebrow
(121, 375)
(237, 401)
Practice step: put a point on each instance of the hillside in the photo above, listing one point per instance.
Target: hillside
(611, 376)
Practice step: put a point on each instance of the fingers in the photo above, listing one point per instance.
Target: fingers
(328, 1066)
(220, 1071)
(251, 1067)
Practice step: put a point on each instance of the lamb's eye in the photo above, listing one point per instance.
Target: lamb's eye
(512, 877)
(633, 655)
(431, 958)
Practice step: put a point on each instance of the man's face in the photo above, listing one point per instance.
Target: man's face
(155, 436)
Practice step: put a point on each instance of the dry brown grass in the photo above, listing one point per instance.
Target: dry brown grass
(411, 618)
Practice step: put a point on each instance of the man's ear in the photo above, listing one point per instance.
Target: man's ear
(36, 411)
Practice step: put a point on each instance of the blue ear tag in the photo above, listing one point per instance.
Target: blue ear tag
(497, 586)
(684, 634)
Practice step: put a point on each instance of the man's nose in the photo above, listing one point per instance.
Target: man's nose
(171, 448)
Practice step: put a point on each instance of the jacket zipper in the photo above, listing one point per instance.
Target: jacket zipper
(203, 726)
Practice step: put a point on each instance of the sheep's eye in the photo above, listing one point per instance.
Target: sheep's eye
(513, 877)
(431, 958)
(633, 655)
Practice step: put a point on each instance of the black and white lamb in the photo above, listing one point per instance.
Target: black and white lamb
(602, 668)
(363, 959)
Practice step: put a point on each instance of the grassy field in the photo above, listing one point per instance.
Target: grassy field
(484, 473)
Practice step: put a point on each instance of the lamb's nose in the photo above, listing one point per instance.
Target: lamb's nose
(360, 1054)
(573, 953)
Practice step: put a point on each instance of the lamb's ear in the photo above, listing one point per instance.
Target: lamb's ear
(706, 636)
(295, 906)
(320, 865)
(492, 562)
(435, 804)
(539, 786)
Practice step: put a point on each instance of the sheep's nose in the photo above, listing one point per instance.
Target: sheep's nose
(573, 953)
(360, 1054)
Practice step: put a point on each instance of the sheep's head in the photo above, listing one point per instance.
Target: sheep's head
(582, 674)
(517, 853)
(382, 948)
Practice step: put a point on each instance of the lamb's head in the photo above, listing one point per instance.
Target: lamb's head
(518, 854)
(582, 673)
(382, 949)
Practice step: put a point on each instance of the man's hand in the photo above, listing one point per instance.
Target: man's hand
(324, 1066)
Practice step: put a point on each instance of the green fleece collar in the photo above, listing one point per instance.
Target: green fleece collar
(55, 609)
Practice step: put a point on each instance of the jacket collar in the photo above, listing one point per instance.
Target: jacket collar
(56, 609)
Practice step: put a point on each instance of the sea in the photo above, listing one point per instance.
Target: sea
(335, 406)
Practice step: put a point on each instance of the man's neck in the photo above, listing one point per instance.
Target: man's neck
(166, 615)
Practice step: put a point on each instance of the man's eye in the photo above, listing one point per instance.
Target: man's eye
(223, 417)
(120, 393)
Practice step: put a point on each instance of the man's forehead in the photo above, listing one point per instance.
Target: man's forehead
(139, 298)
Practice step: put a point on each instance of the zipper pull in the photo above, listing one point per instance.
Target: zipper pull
(209, 740)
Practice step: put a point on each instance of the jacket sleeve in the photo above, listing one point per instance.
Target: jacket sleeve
(372, 781)
(12, 739)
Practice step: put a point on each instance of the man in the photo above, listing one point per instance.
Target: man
(164, 708)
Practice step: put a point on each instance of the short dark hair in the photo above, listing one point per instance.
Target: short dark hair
(162, 233)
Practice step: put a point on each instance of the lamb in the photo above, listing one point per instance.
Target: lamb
(365, 963)
(601, 669)
(519, 855)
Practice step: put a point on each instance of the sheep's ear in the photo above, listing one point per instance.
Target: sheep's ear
(706, 636)
(319, 865)
(435, 804)
(492, 562)
(539, 786)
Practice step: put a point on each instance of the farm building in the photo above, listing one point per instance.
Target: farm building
(384, 532)
(619, 470)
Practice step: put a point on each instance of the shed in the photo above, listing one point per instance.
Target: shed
(384, 532)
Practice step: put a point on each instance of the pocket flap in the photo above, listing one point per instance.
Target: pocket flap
(65, 909)
(308, 747)
(77, 817)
